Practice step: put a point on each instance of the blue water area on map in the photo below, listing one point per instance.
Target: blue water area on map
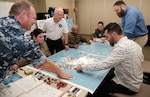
(89, 80)
(86, 79)
(11, 78)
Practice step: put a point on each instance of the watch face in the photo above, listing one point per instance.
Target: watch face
(60, 25)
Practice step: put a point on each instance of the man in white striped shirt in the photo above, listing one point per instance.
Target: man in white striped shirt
(126, 59)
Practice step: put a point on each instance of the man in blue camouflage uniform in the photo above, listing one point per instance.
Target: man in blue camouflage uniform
(15, 43)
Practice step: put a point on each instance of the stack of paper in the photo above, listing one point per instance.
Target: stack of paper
(43, 90)
(12, 91)
(28, 83)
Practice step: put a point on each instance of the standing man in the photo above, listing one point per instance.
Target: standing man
(16, 43)
(126, 59)
(133, 23)
(55, 28)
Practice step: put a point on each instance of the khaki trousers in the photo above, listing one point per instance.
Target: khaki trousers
(141, 40)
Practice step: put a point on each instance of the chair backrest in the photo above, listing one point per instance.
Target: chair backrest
(148, 27)
(146, 66)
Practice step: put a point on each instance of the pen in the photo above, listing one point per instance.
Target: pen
(74, 90)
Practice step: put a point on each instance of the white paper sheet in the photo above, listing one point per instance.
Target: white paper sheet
(43, 90)
(12, 91)
(28, 83)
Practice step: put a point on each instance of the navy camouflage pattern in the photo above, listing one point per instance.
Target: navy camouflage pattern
(15, 43)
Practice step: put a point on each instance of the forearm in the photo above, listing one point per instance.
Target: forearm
(51, 67)
(66, 38)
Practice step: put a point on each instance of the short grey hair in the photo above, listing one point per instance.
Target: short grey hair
(19, 6)
(57, 9)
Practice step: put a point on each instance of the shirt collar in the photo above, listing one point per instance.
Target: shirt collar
(122, 39)
(22, 30)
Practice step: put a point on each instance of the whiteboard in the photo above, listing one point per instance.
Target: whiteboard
(5, 8)
(40, 23)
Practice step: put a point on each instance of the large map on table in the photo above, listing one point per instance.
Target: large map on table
(68, 59)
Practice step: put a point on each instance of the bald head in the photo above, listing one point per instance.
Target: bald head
(75, 26)
(58, 14)
(75, 29)
(58, 9)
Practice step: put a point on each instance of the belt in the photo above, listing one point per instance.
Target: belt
(54, 40)
(143, 35)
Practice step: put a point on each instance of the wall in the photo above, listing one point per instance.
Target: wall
(91, 11)
(5, 8)
(9, 0)
(65, 4)
(43, 5)
(40, 5)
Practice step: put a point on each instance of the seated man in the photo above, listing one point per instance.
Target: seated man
(74, 39)
(99, 32)
(124, 59)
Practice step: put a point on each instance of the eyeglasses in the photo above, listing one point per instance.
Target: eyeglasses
(60, 14)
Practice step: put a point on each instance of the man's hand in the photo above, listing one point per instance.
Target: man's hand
(15, 68)
(78, 68)
(88, 42)
(94, 39)
(67, 47)
(65, 76)
(76, 46)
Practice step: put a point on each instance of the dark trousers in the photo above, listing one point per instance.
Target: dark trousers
(54, 45)
(108, 87)
(111, 87)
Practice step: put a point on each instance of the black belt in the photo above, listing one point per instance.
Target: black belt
(143, 35)
(54, 40)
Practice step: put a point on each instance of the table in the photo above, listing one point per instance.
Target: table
(37, 84)
(80, 84)
(87, 80)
